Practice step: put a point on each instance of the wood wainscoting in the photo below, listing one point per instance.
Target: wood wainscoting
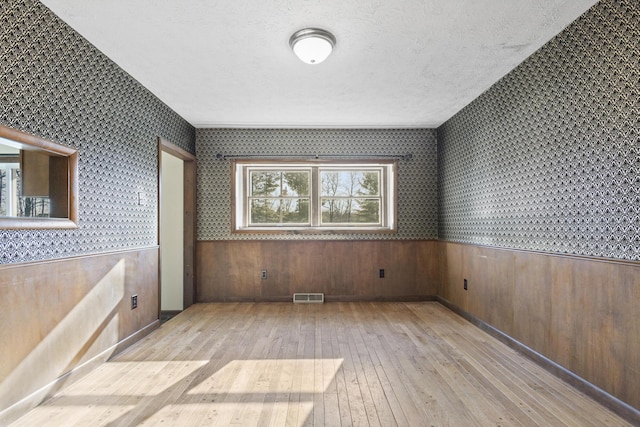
(62, 317)
(342, 270)
(581, 313)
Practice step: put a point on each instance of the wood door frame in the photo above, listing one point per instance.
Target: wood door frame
(189, 218)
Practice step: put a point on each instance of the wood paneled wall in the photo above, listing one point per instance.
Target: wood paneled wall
(582, 313)
(342, 270)
(68, 314)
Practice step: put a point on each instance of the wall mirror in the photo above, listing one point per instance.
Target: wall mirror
(38, 182)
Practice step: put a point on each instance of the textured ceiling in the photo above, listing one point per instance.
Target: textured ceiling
(397, 63)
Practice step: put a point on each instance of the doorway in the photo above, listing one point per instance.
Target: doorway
(177, 176)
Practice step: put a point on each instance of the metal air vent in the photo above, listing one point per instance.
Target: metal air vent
(308, 298)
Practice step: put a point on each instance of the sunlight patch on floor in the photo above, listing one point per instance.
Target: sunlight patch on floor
(271, 376)
(140, 378)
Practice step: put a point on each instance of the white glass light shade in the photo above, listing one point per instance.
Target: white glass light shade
(312, 50)
(312, 45)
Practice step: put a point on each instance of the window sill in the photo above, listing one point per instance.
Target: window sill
(321, 231)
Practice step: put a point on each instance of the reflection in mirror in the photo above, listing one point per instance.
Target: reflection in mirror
(38, 182)
(9, 177)
(16, 198)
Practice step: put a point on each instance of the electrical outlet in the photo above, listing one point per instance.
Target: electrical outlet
(382, 273)
(465, 284)
(134, 301)
(263, 274)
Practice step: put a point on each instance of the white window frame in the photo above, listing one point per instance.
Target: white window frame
(241, 186)
(11, 196)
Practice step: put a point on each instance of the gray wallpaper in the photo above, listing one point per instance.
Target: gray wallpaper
(417, 178)
(56, 85)
(549, 158)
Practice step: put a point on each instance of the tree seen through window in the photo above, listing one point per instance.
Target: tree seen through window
(350, 197)
(279, 197)
(314, 195)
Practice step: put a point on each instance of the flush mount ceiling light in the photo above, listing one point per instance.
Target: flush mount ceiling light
(312, 45)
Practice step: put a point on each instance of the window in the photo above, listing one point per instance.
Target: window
(314, 196)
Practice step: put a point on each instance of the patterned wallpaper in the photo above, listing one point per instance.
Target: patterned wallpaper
(58, 86)
(417, 178)
(549, 158)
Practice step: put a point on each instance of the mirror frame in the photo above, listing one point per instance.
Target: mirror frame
(34, 143)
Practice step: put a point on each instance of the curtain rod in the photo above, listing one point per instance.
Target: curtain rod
(407, 156)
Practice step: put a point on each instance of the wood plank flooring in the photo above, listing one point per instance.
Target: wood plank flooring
(333, 364)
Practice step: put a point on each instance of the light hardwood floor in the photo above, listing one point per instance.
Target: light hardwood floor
(333, 364)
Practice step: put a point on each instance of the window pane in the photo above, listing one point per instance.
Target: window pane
(265, 183)
(369, 184)
(295, 211)
(279, 211)
(349, 183)
(350, 211)
(295, 184)
(279, 183)
(368, 210)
